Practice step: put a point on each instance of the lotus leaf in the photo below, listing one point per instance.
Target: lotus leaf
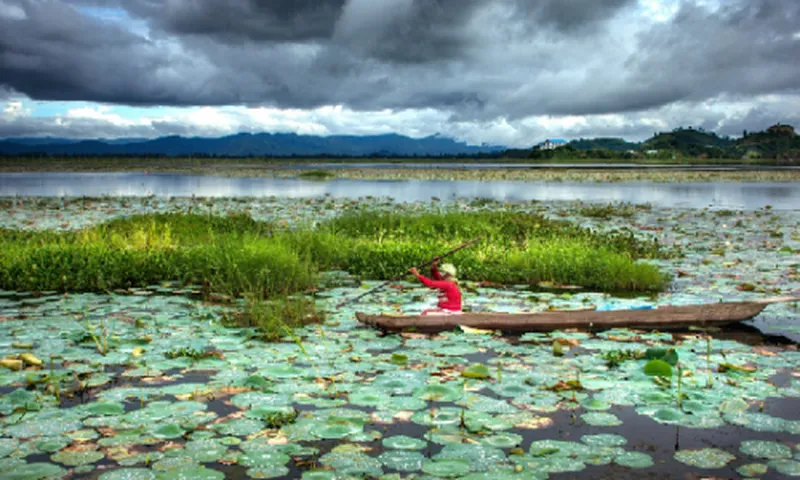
(601, 419)
(502, 440)
(403, 442)
(634, 460)
(264, 458)
(191, 472)
(477, 371)
(752, 470)
(402, 460)
(267, 472)
(239, 427)
(790, 468)
(658, 368)
(33, 471)
(73, 459)
(319, 475)
(168, 431)
(765, 449)
(705, 458)
(446, 468)
(480, 457)
(352, 463)
(604, 440)
(439, 393)
(7, 446)
(440, 417)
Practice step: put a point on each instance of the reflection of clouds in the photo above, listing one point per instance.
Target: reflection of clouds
(695, 195)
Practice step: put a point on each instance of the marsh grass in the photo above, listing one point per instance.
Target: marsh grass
(265, 264)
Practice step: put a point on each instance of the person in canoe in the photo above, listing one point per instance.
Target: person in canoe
(444, 280)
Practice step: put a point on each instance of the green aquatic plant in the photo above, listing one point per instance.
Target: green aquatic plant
(614, 358)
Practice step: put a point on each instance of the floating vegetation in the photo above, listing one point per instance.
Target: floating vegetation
(180, 387)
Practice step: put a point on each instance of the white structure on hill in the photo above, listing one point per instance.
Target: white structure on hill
(552, 144)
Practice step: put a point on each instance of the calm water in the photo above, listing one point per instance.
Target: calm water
(747, 195)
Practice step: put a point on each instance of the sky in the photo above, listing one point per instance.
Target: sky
(500, 72)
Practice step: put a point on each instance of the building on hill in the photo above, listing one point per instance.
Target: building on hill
(551, 144)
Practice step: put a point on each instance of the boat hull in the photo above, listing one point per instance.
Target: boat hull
(662, 318)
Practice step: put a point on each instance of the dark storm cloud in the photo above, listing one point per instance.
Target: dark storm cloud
(745, 47)
(256, 20)
(409, 31)
(570, 15)
(56, 53)
(479, 59)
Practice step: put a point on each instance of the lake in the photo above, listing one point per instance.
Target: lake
(734, 195)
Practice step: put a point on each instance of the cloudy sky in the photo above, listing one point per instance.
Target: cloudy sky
(509, 72)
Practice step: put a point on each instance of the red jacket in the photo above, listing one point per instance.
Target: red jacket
(449, 294)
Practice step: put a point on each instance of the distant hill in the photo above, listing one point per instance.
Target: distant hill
(690, 142)
(247, 144)
(778, 141)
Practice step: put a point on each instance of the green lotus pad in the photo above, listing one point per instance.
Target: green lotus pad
(74, 459)
(319, 475)
(129, 474)
(601, 419)
(705, 458)
(194, 472)
(789, 468)
(752, 470)
(446, 468)
(604, 440)
(479, 457)
(634, 460)
(402, 460)
(765, 449)
(32, 471)
(403, 442)
(267, 472)
(352, 463)
(502, 440)
(439, 393)
(477, 371)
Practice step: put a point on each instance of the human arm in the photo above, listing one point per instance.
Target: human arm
(439, 284)
(435, 271)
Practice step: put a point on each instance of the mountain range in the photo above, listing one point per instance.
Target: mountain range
(250, 145)
(778, 142)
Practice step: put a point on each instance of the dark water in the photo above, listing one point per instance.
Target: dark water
(746, 195)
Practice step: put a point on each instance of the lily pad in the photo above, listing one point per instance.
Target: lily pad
(765, 449)
(128, 474)
(402, 460)
(634, 460)
(403, 442)
(74, 459)
(711, 458)
(446, 468)
(601, 419)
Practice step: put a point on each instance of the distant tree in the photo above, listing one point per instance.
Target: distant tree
(744, 133)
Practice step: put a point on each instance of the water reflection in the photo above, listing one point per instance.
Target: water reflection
(748, 195)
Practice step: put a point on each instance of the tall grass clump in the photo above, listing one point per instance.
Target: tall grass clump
(265, 264)
(516, 248)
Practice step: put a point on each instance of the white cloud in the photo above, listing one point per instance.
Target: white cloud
(15, 108)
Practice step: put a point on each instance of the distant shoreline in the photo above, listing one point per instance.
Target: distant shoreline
(383, 169)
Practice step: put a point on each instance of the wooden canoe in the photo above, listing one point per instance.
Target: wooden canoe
(662, 318)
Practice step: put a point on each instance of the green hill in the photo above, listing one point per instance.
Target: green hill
(778, 141)
(690, 142)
